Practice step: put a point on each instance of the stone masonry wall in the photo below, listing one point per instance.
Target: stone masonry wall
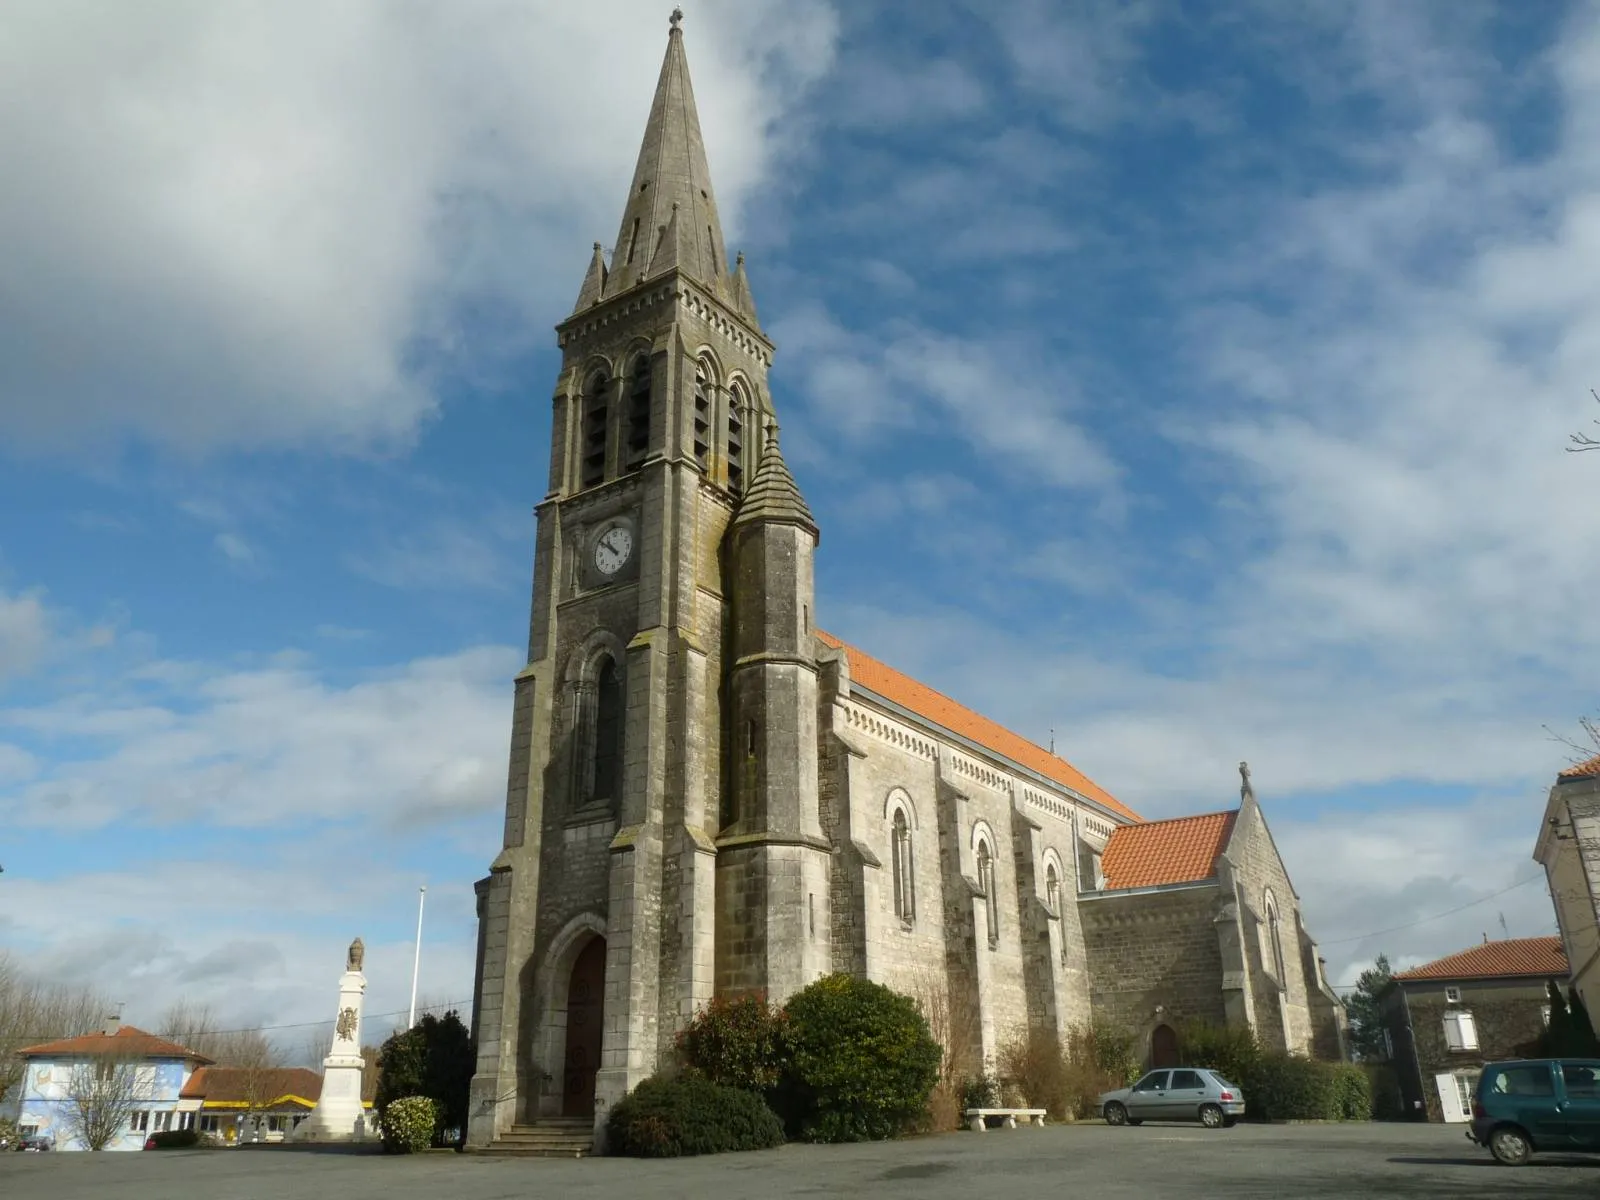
(1153, 948)
(1509, 1017)
(1283, 1012)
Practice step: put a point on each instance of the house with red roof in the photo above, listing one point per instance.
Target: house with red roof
(115, 1087)
(1568, 847)
(1195, 919)
(1445, 1019)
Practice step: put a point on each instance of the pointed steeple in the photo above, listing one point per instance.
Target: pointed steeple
(773, 495)
(740, 295)
(594, 283)
(671, 173)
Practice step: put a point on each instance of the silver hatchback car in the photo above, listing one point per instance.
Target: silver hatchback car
(1175, 1094)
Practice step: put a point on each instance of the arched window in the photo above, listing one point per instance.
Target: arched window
(904, 880)
(1275, 940)
(736, 411)
(991, 898)
(608, 734)
(1052, 888)
(594, 431)
(703, 388)
(638, 438)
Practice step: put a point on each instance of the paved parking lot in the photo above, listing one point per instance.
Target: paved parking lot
(1153, 1162)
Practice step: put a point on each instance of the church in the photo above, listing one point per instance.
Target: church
(710, 795)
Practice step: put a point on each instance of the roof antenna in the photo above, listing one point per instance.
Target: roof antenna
(1052, 741)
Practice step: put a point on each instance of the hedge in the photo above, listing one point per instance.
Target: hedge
(1279, 1086)
(689, 1114)
(174, 1139)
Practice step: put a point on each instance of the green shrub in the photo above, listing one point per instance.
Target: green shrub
(408, 1124)
(1113, 1052)
(1352, 1092)
(1284, 1087)
(1095, 1061)
(688, 1114)
(433, 1058)
(860, 1061)
(736, 1042)
(1232, 1051)
(174, 1139)
(980, 1091)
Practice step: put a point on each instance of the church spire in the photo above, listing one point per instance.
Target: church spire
(671, 186)
(773, 495)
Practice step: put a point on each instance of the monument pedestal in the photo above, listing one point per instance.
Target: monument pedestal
(339, 1116)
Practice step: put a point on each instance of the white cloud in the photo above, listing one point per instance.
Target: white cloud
(450, 554)
(271, 745)
(233, 224)
(25, 632)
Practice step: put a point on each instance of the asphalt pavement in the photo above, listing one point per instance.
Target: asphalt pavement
(1152, 1162)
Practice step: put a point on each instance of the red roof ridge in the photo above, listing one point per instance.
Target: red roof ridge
(1505, 958)
(128, 1039)
(918, 698)
(1583, 770)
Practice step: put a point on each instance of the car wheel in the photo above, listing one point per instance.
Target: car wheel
(1115, 1114)
(1511, 1146)
(1211, 1116)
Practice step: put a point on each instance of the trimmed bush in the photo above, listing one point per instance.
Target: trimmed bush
(1352, 1092)
(174, 1139)
(433, 1058)
(860, 1062)
(736, 1042)
(408, 1124)
(1283, 1087)
(1231, 1051)
(688, 1114)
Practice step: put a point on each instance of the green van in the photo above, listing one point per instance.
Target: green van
(1547, 1104)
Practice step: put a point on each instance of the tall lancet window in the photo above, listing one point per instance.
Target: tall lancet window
(702, 413)
(990, 896)
(595, 412)
(905, 904)
(608, 735)
(736, 415)
(1052, 888)
(638, 443)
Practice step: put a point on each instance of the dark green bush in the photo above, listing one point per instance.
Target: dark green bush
(736, 1042)
(688, 1114)
(860, 1062)
(434, 1058)
(174, 1139)
(1232, 1051)
(1384, 1084)
(1284, 1087)
(980, 1091)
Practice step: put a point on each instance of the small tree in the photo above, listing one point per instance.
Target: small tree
(737, 1042)
(1585, 1042)
(1366, 1012)
(101, 1098)
(433, 1058)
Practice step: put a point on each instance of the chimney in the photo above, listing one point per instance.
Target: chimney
(113, 1024)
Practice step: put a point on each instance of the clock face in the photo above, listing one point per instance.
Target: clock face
(612, 550)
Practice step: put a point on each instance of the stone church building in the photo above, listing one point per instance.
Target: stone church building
(710, 795)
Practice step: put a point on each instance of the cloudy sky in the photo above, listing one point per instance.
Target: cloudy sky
(1189, 380)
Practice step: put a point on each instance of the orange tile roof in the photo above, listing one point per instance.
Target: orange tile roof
(1504, 959)
(932, 706)
(1154, 853)
(1583, 770)
(235, 1085)
(126, 1042)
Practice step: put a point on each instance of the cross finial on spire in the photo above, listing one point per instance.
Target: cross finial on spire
(676, 19)
(1246, 792)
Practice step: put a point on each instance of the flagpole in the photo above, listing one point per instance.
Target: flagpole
(416, 961)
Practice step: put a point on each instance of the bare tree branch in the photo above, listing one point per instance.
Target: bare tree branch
(32, 1011)
(101, 1098)
(1582, 441)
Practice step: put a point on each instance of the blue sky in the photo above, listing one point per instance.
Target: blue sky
(1189, 380)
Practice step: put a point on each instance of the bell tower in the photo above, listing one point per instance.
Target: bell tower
(596, 921)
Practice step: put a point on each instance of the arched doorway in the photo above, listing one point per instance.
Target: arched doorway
(1163, 1047)
(585, 1017)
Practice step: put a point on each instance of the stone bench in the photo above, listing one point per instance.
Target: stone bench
(975, 1117)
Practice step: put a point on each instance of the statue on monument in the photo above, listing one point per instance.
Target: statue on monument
(358, 952)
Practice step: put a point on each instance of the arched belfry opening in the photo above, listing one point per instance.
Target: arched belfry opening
(608, 734)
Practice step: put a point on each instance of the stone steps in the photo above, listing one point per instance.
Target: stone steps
(560, 1138)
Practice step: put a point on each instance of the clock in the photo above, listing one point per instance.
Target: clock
(612, 550)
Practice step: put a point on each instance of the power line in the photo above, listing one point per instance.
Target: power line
(1435, 916)
(446, 1004)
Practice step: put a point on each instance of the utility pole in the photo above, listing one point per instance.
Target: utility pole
(416, 961)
